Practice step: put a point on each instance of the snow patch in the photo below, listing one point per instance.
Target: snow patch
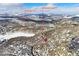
(10, 35)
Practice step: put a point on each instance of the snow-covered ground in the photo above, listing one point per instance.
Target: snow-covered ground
(10, 35)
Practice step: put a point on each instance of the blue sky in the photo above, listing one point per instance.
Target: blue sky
(29, 5)
(58, 8)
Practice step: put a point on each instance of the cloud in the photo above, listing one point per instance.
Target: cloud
(49, 6)
(17, 8)
(10, 4)
(40, 9)
(52, 8)
(67, 10)
(10, 8)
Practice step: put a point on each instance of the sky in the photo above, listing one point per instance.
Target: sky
(56, 8)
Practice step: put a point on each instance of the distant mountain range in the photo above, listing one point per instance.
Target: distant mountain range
(39, 18)
(28, 17)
